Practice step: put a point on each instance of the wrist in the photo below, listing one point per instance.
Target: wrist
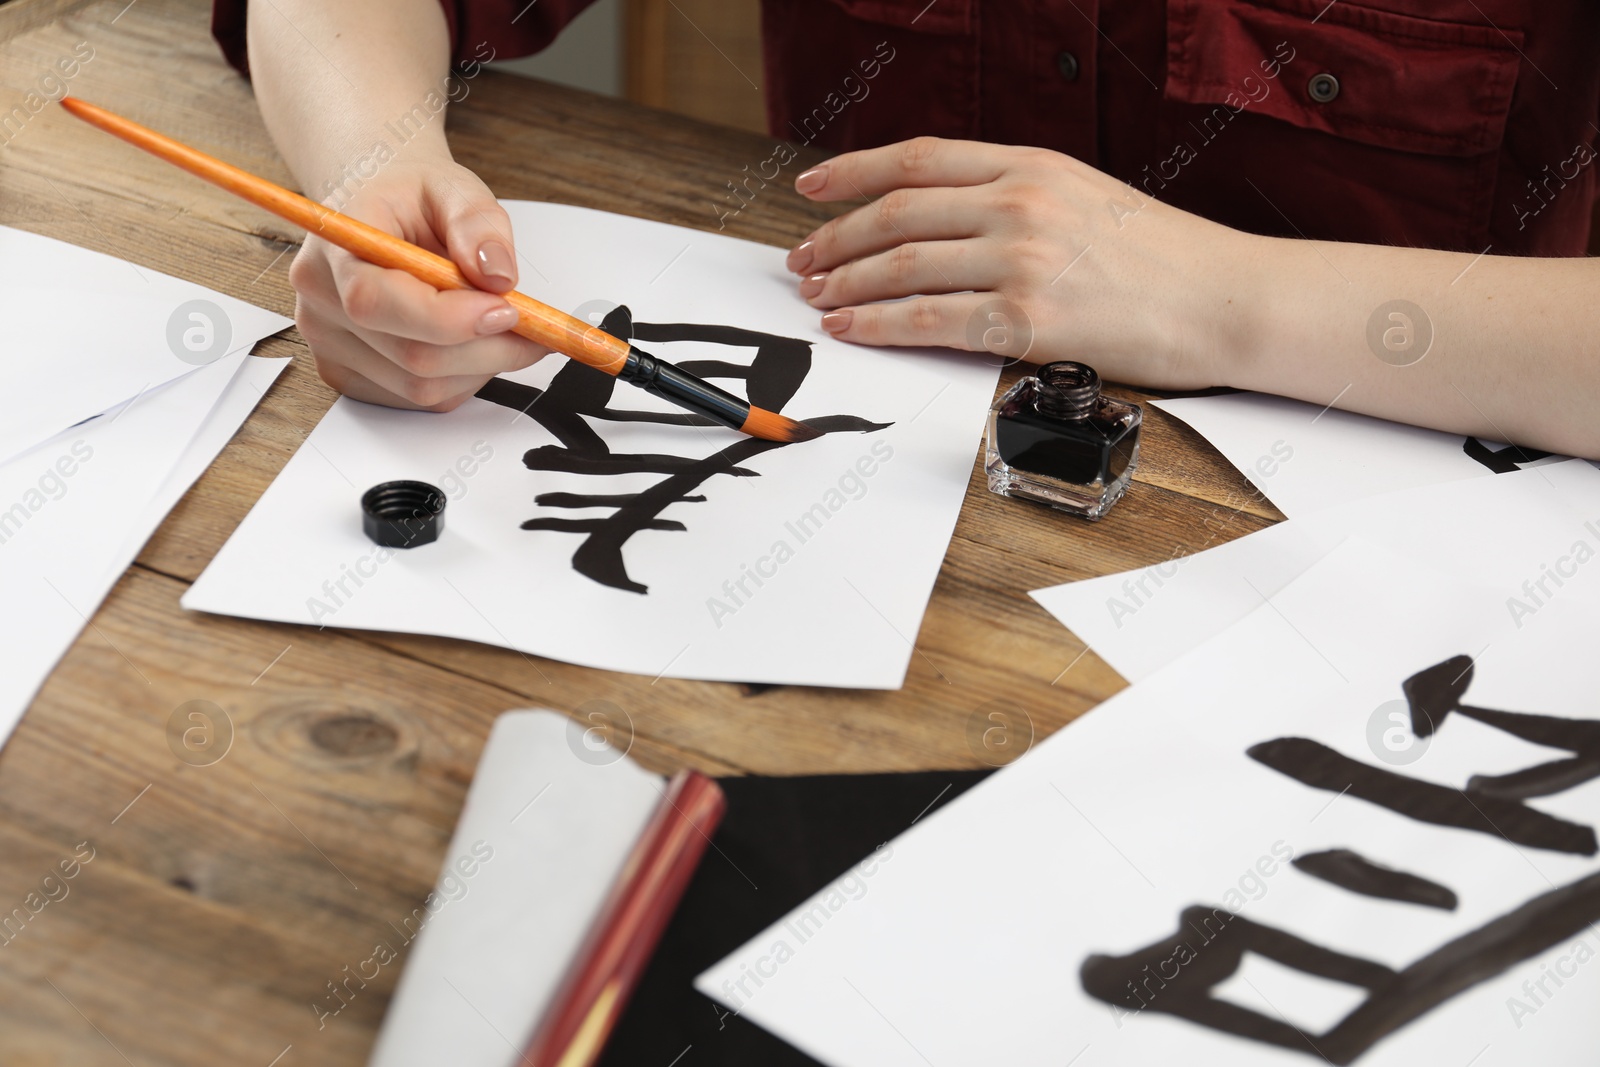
(1241, 301)
(337, 177)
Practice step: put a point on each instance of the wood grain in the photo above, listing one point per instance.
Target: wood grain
(18, 16)
(222, 899)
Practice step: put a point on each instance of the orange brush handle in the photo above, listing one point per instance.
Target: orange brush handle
(538, 322)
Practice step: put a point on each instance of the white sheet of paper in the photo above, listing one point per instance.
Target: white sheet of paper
(964, 945)
(817, 571)
(1306, 458)
(239, 398)
(78, 508)
(544, 835)
(62, 364)
(1528, 526)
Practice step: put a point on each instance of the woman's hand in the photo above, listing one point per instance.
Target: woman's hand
(1025, 253)
(385, 337)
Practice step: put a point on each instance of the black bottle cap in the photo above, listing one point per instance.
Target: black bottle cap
(403, 514)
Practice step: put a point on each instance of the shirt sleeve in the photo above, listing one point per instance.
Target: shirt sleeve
(480, 30)
(227, 27)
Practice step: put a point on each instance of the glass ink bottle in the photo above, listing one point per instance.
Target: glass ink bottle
(1055, 440)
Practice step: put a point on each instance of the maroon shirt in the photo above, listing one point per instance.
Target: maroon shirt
(1459, 124)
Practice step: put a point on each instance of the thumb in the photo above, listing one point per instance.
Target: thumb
(475, 230)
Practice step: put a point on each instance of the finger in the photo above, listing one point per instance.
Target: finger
(475, 229)
(350, 384)
(354, 368)
(894, 218)
(346, 288)
(381, 300)
(486, 356)
(937, 321)
(924, 162)
(909, 270)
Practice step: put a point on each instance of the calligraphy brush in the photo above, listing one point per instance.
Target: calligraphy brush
(548, 326)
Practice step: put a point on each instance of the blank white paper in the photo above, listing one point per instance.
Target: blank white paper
(247, 388)
(76, 510)
(806, 564)
(549, 823)
(1305, 458)
(1531, 532)
(86, 331)
(967, 944)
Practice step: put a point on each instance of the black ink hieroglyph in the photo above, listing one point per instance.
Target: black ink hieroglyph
(1353, 871)
(1502, 460)
(579, 393)
(1178, 975)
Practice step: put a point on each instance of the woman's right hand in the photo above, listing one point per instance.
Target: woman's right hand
(385, 337)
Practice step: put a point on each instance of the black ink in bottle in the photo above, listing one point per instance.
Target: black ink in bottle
(1055, 440)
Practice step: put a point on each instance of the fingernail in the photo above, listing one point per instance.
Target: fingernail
(813, 285)
(802, 255)
(837, 321)
(498, 320)
(494, 260)
(812, 180)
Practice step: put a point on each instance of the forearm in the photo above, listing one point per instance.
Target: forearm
(329, 106)
(1514, 354)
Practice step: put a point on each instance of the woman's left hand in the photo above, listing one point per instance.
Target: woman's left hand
(1025, 253)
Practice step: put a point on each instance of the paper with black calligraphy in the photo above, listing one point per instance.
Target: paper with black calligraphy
(588, 522)
(1357, 827)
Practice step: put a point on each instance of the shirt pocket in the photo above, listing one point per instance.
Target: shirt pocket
(1407, 113)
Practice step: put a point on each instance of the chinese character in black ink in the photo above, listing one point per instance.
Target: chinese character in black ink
(579, 393)
(1177, 975)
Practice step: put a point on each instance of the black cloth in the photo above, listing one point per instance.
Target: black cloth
(781, 841)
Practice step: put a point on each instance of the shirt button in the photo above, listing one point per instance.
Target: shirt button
(1067, 64)
(1323, 87)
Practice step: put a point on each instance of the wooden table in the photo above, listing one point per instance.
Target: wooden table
(222, 898)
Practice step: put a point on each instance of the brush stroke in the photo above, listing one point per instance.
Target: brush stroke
(1314, 764)
(1436, 693)
(598, 500)
(1501, 460)
(1354, 872)
(1175, 976)
(551, 458)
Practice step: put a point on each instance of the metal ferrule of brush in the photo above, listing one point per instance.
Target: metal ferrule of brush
(660, 378)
